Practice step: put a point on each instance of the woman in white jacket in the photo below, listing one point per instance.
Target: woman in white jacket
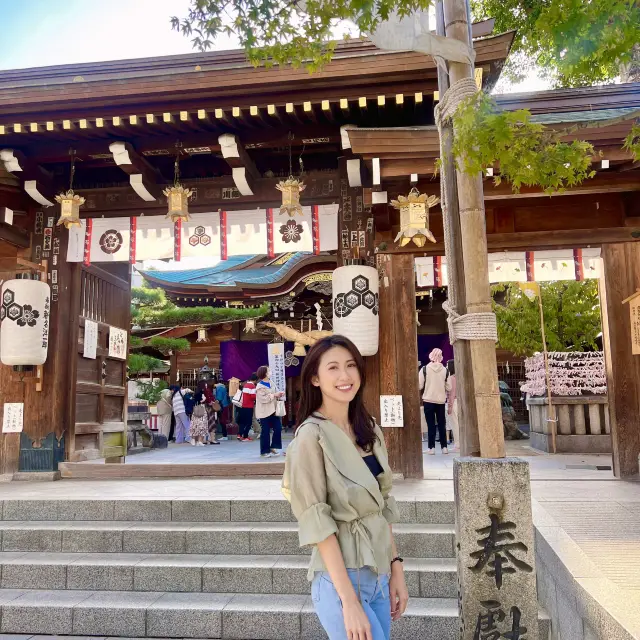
(165, 410)
(434, 380)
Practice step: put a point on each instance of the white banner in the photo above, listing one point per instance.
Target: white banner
(201, 236)
(276, 365)
(154, 238)
(247, 232)
(75, 247)
(328, 221)
(90, 339)
(293, 234)
(510, 266)
(110, 240)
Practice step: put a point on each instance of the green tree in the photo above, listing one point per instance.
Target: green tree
(571, 317)
(574, 41)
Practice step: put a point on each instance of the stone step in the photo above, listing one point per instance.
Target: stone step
(200, 615)
(237, 538)
(277, 510)
(429, 578)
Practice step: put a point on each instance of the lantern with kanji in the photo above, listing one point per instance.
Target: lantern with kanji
(24, 318)
(70, 204)
(202, 335)
(291, 189)
(414, 217)
(177, 202)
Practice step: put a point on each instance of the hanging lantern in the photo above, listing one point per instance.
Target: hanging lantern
(250, 325)
(414, 217)
(355, 306)
(291, 188)
(24, 322)
(70, 204)
(177, 195)
(202, 335)
(178, 202)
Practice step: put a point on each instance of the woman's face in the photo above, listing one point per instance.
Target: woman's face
(338, 377)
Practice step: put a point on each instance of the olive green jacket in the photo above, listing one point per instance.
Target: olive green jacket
(331, 490)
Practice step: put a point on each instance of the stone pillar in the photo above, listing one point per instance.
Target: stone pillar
(496, 559)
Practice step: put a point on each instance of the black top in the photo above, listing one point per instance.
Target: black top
(374, 466)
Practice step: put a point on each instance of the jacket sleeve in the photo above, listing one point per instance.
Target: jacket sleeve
(264, 395)
(421, 379)
(447, 383)
(390, 509)
(304, 484)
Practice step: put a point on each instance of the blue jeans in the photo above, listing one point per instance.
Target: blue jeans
(374, 596)
(266, 424)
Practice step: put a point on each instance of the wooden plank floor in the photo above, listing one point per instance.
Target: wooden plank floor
(103, 471)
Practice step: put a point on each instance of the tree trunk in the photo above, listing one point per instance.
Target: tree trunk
(630, 71)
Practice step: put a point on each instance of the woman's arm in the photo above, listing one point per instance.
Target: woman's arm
(398, 592)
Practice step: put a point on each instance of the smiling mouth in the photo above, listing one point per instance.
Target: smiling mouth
(345, 387)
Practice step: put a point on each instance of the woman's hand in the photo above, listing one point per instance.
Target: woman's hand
(356, 622)
(398, 592)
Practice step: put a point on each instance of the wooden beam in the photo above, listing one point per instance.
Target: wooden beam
(244, 170)
(621, 279)
(14, 235)
(37, 181)
(143, 177)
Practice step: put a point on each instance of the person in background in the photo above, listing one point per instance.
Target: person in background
(222, 396)
(165, 411)
(199, 423)
(182, 420)
(187, 396)
(266, 398)
(212, 418)
(452, 406)
(245, 411)
(434, 380)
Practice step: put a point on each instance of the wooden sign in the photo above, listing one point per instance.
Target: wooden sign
(13, 417)
(634, 317)
(117, 343)
(391, 413)
(90, 339)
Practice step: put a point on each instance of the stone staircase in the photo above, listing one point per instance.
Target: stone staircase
(195, 569)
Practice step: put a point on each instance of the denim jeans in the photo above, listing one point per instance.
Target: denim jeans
(183, 426)
(266, 424)
(374, 596)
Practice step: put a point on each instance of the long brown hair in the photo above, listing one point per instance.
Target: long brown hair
(311, 397)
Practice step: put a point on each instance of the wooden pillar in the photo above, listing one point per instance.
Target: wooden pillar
(621, 279)
(173, 368)
(487, 414)
(398, 360)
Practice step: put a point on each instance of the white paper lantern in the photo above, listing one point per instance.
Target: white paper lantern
(24, 322)
(355, 306)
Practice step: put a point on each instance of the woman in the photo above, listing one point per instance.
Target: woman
(182, 421)
(434, 380)
(165, 409)
(222, 397)
(452, 406)
(199, 419)
(267, 397)
(338, 481)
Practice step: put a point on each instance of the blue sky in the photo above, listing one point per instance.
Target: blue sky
(49, 32)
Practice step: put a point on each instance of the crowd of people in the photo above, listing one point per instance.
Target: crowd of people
(201, 417)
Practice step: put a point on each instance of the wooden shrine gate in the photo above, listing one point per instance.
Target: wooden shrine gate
(98, 416)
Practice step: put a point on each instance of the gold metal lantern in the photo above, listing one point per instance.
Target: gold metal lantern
(414, 217)
(178, 202)
(291, 189)
(70, 204)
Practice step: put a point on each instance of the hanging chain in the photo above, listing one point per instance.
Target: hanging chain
(176, 165)
(72, 171)
(290, 138)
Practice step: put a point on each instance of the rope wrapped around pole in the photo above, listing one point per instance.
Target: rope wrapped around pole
(470, 326)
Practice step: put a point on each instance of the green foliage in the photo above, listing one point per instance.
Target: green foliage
(150, 391)
(144, 296)
(576, 42)
(165, 345)
(632, 142)
(526, 152)
(279, 32)
(178, 316)
(571, 317)
(140, 363)
(135, 342)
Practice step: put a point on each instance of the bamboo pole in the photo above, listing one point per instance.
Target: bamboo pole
(468, 434)
(551, 419)
(488, 413)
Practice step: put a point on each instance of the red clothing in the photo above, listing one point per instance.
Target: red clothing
(249, 395)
